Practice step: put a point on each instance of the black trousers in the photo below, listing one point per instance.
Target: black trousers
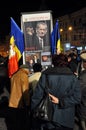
(17, 119)
(40, 125)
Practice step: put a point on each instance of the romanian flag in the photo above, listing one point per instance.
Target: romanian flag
(16, 48)
(55, 40)
(18, 37)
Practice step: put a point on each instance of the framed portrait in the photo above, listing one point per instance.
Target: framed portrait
(31, 58)
(46, 59)
(37, 27)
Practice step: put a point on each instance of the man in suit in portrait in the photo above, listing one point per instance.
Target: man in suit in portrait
(41, 38)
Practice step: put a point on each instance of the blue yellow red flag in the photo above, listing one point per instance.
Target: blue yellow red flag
(55, 39)
(16, 48)
(18, 37)
(12, 62)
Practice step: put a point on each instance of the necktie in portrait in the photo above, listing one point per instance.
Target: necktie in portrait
(41, 42)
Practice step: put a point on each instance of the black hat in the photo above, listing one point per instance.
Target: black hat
(37, 67)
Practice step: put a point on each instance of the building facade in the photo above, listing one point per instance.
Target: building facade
(73, 28)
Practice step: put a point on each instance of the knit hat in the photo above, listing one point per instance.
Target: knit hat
(24, 66)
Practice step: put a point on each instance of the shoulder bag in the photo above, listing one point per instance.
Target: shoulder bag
(44, 109)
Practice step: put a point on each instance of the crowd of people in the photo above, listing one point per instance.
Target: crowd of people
(67, 91)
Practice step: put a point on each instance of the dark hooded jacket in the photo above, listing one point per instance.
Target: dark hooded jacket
(64, 85)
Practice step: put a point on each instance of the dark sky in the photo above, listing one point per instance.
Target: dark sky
(16, 7)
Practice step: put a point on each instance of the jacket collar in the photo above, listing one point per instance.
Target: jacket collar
(24, 70)
(58, 70)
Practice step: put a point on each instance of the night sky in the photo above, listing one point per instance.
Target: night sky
(16, 7)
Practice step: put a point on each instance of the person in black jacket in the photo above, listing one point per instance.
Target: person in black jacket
(73, 64)
(64, 91)
(81, 108)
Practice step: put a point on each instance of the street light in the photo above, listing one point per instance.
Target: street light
(69, 33)
(70, 28)
(61, 30)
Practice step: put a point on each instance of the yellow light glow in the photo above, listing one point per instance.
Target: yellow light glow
(61, 30)
(70, 28)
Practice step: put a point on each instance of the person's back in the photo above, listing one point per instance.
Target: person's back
(33, 79)
(64, 91)
(18, 107)
(81, 108)
(19, 88)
